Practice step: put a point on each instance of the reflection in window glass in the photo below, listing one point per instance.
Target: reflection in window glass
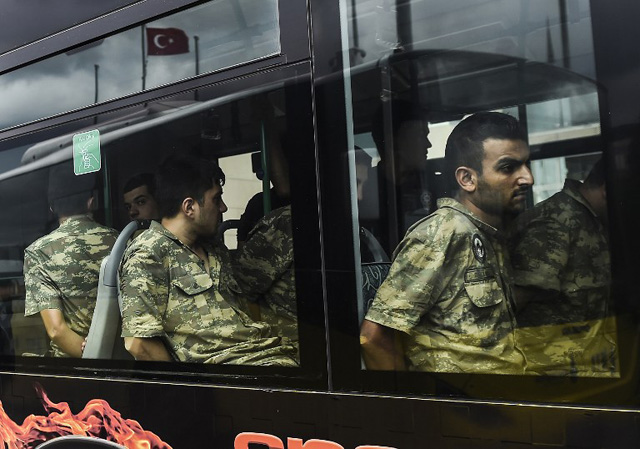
(209, 37)
(450, 300)
(186, 296)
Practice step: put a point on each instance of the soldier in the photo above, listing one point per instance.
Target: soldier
(176, 287)
(562, 272)
(446, 305)
(263, 269)
(61, 269)
(139, 197)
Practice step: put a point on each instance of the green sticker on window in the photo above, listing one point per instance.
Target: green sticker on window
(86, 152)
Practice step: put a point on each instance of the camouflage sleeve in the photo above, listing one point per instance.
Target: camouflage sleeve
(144, 292)
(41, 292)
(264, 257)
(423, 267)
(540, 254)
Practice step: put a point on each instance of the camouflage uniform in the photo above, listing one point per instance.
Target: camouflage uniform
(61, 272)
(166, 292)
(560, 246)
(448, 293)
(263, 269)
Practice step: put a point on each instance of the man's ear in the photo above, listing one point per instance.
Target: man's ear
(467, 179)
(188, 206)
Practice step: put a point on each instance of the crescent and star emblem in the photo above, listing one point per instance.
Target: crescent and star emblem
(479, 251)
(156, 41)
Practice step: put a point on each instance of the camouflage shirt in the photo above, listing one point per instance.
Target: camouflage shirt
(61, 272)
(448, 293)
(263, 269)
(166, 292)
(560, 246)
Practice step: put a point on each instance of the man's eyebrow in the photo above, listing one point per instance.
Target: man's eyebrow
(510, 160)
(139, 196)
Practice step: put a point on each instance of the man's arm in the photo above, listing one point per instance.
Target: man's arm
(151, 349)
(60, 333)
(381, 347)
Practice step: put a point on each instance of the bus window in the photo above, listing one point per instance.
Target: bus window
(212, 296)
(208, 37)
(487, 188)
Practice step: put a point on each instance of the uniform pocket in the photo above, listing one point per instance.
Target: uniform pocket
(484, 294)
(193, 284)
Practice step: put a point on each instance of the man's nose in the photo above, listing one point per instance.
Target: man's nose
(525, 176)
(133, 212)
(223, 207)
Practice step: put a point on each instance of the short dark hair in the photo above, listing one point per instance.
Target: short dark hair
(401, 111)
(596, 177)
(182, 176)
(139, 180)
(69, 193)
(465, 145)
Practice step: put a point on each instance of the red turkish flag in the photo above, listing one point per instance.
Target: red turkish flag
(166, 41)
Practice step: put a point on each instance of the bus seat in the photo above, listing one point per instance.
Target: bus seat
(79, 442)
(375, 267)
(227, 225)
(103, 341)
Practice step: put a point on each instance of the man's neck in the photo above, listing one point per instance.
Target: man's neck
(65, 218)
(490, 219)
(177, 226)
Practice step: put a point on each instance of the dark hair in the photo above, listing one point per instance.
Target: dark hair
(182, 176)
(69, 193)
(596, 177)
(465, 145)
(139, 180)
(401, 111)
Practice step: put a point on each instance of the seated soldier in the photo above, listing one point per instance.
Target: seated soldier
(139, 197)
(176, 287)
(562, 272)
(263, 270)
(61, 269)
(446, 305)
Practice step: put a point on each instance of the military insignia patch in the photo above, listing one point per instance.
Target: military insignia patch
(478, 248)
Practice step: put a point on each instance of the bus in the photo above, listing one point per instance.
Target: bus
(338, 110)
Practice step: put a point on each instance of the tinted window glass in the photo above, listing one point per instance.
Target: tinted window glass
(481, 186)
(243, 273)
(206, 38)
(30, 21)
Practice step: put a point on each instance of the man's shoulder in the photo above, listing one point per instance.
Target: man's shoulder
(560, 208)
(151, 242)
(445, 222)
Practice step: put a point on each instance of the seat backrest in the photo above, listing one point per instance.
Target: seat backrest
(374, 270)
(104, 341)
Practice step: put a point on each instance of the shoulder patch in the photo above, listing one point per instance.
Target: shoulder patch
(479, 251)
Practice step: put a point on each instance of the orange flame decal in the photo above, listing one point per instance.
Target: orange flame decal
(97, 419)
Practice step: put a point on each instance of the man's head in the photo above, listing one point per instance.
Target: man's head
(70, 194)
(410, 129)
(191, 187)
(139, 197)
(595, 191)
(486, 157)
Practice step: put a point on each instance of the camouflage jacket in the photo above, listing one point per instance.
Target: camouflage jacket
(166, 292)
(561, 248)
(448, 293)
(61, 272)
(263, 269)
